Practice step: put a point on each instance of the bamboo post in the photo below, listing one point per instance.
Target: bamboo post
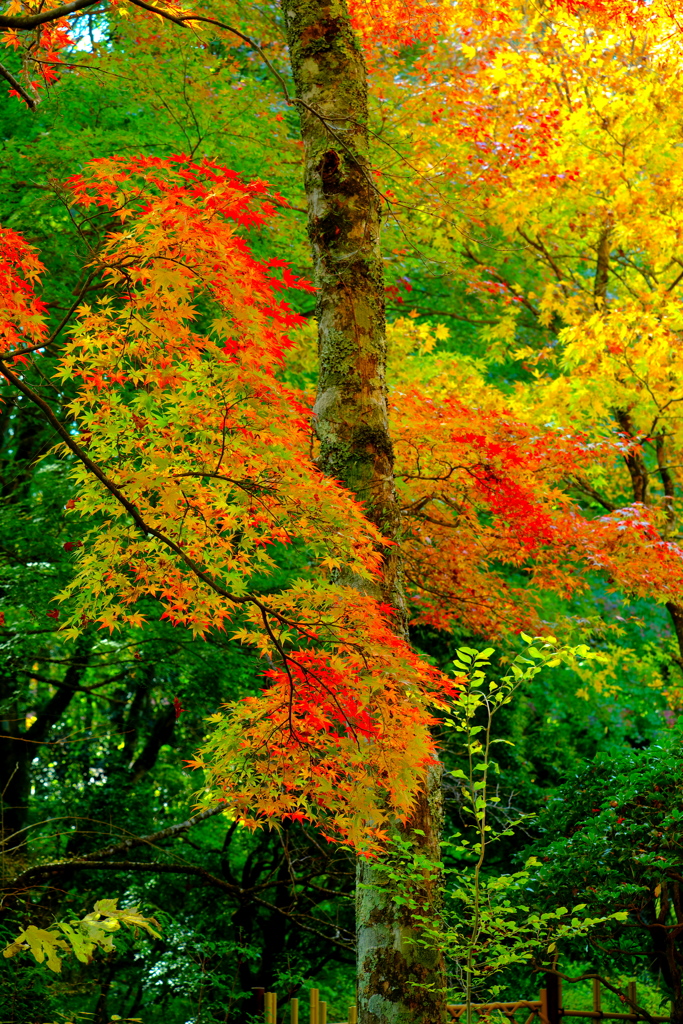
(314, 996)
(322, 1012)
(294, 1011)
(270, 1008)
(559, 1000)
(596, 996)
(353, 1015)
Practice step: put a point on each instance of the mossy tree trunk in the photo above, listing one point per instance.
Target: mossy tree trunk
(401, 975)
(398, 979)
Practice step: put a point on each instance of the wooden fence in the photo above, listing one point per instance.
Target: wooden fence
(528, 1010)
(547, 1009)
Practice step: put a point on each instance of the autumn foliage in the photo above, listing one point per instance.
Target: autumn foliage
(192, 456)
(486, 497)
(192, 462)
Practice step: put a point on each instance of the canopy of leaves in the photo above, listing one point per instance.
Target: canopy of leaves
(528, 162)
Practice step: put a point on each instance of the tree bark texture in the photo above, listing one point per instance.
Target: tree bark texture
(401, 971)
(350, 412)
(399, 979)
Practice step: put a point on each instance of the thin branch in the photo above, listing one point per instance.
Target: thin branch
(674, 282)
(73, 308)
(501, 280)
(155, 837)
(539, 247)
(55, 868)
(77, 689)
(440, 312)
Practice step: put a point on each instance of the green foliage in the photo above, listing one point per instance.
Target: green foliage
(25, 985)
(490, 924)
(612, 837)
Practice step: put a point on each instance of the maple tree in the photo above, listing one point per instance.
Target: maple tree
(192, 438)
(535, 168)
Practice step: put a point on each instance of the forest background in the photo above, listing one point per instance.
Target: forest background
(527, 163)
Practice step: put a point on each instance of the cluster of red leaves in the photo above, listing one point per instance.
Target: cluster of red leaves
(499, 143)
(397, 24)
(318, 730)
(603, 12)
(484, 499)
(480, 500)
(22, 314)
(42, 47)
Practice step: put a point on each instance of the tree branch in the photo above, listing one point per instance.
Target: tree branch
(42, 17)
(155, 837)
(587, 489)
(95, 470)
(59, 867)
(17, 86)
(635, 462)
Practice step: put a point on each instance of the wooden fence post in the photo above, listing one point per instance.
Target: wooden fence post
(548, 1009)
(631, 993)
(543, 1013)
(553, 992)
(259, 1001)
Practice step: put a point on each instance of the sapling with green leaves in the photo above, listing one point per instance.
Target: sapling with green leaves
(492, 929)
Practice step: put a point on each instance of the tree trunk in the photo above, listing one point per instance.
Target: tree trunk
(401, 974)
(635, 463)
(351, 425)
(344, 226)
